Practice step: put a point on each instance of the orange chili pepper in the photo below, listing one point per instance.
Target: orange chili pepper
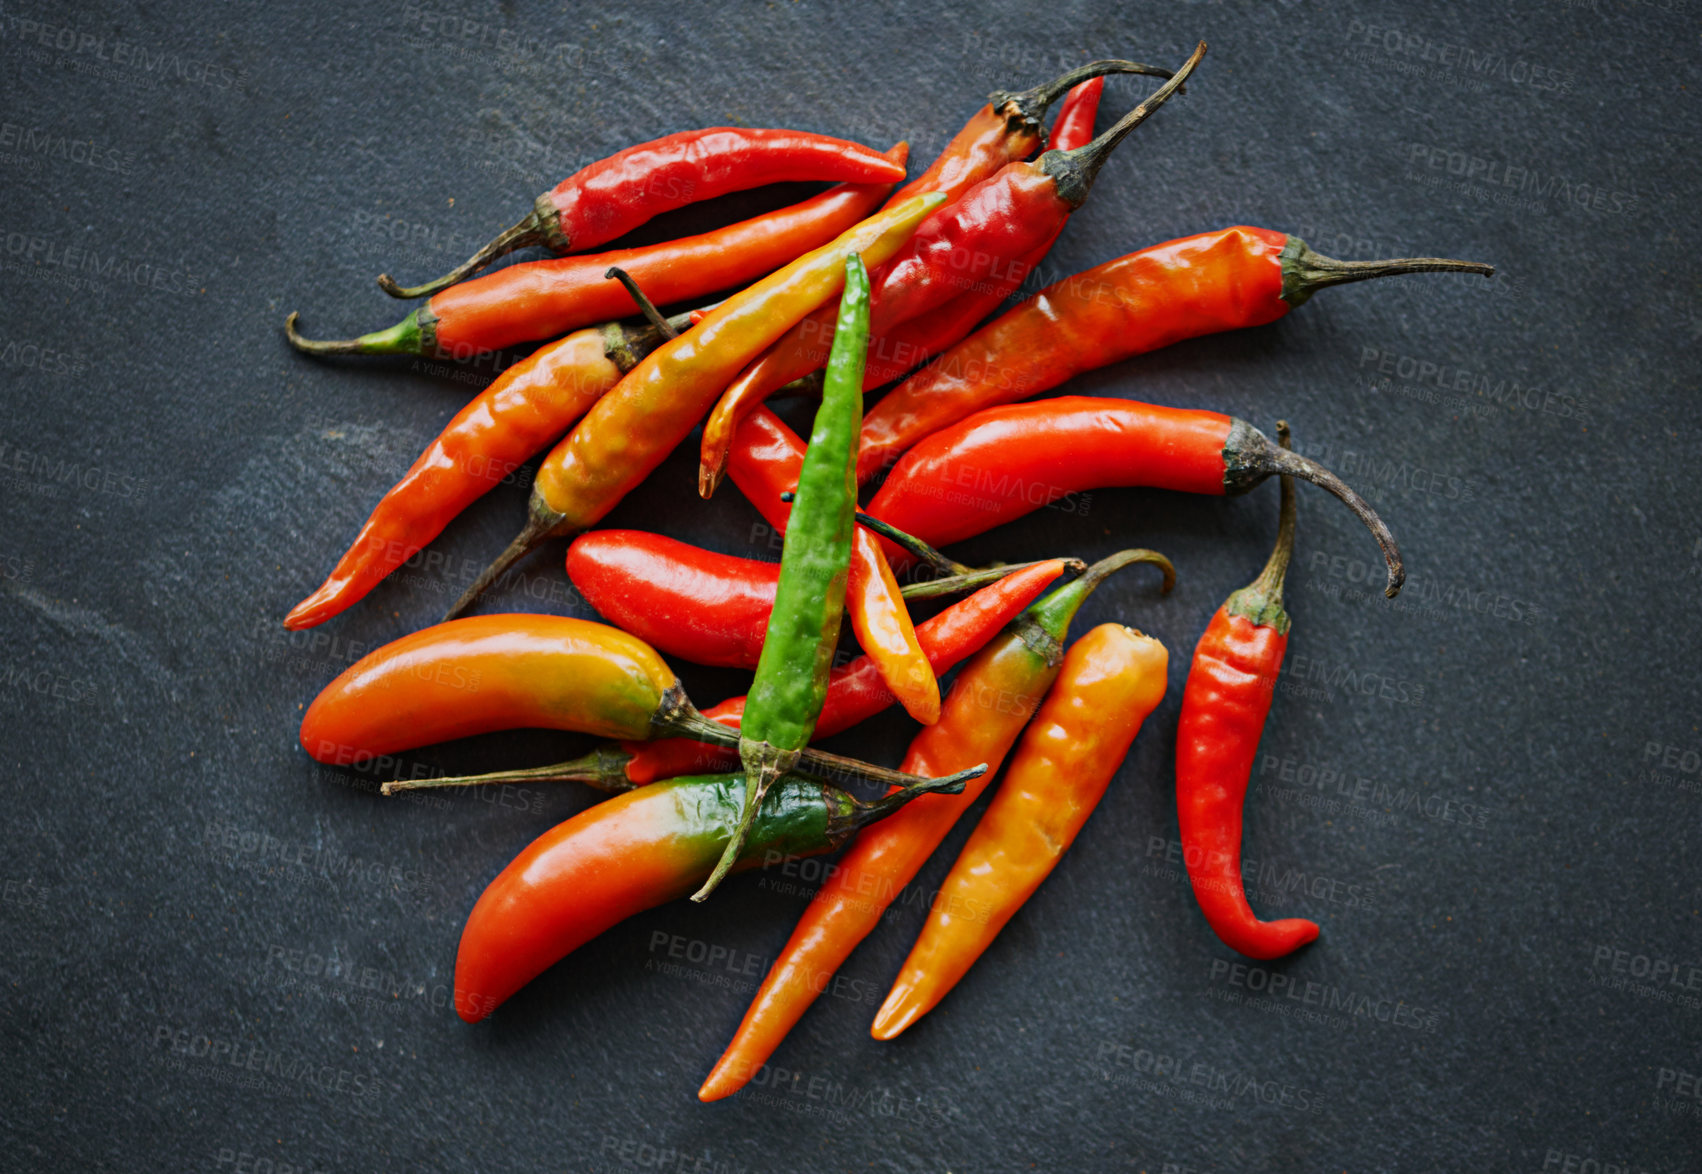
(1112, 678)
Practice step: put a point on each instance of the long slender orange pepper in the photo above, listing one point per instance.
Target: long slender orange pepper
(633, 428)
(989, 704)
(1111, 679)
(855, 694)
(525, 408)
(1230, 279)
(546, 299)
(765, 461)
(998, 223)
(1228, 695)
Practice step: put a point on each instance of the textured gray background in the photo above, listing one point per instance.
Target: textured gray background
(1518, 871)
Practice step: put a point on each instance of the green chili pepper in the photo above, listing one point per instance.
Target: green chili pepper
(797, 653)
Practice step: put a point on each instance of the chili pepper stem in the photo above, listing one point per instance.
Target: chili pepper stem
(865, 813)
(911, 544)
(1030, 104)
(767, 762)
(1250, 456)
(648, 308)
(1305, 272)
(540, 524)
(1261, 600)
(976, 579)
(604, 768)
(530, 231)
(410, 336)
(1073, 172)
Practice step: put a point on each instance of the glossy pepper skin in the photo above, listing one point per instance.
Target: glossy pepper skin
(613, 196)
(521, 413)
(1111, 679)
(796, 661)
(682, 600)
(854, 694)
(633, 428)
(546, 299)
(628, 854)
(764, 462)
(508, 672)
(1228, 695)
(1004, 462)
(995, 225)
(909, 344)
(985, 711)
(1231, 279)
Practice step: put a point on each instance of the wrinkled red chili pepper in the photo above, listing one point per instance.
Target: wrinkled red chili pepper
(1228, 695)
(999, 222)
(1002, 463)
(546, 299)
(1230, 279)
(613, 196)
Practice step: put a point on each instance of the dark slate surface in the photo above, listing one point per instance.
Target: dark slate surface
(1490, 789)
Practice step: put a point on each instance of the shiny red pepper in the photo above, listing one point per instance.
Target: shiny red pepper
(613, 196)
(1005, 462)
(1228, 695)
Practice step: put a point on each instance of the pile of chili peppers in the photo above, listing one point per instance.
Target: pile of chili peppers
(852, 290)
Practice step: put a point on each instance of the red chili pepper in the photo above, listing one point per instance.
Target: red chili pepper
(912, 343)
(998, 223)
(857, 691)
(1005, 462)
(613, 196)
(1230, 279)
(519, 415)
(1224, 705)
(697, 604)
(546, 299)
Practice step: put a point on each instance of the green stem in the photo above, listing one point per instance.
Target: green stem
(1304, 272)
(977, 579)
(604, 768)
(530, 231)
(410, 336)
(1261, 600)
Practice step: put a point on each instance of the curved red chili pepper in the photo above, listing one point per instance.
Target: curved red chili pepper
(1230, 279)
(1228, 695)
(996, 224)
(1005, 462)
(613, 196)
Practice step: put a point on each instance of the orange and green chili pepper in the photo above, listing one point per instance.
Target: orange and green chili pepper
(1111, 679)
(1228, 695)
(632, 853)
(986, 709)
(796, 662)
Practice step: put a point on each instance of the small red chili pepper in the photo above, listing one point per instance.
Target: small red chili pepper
(546, 299)
(1224, 705)
(1002, 463)
(999, 222)
(911, 343)
(613, 196)
(521, 413)
(697, 604)
(632, 853)
(1230, 279)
